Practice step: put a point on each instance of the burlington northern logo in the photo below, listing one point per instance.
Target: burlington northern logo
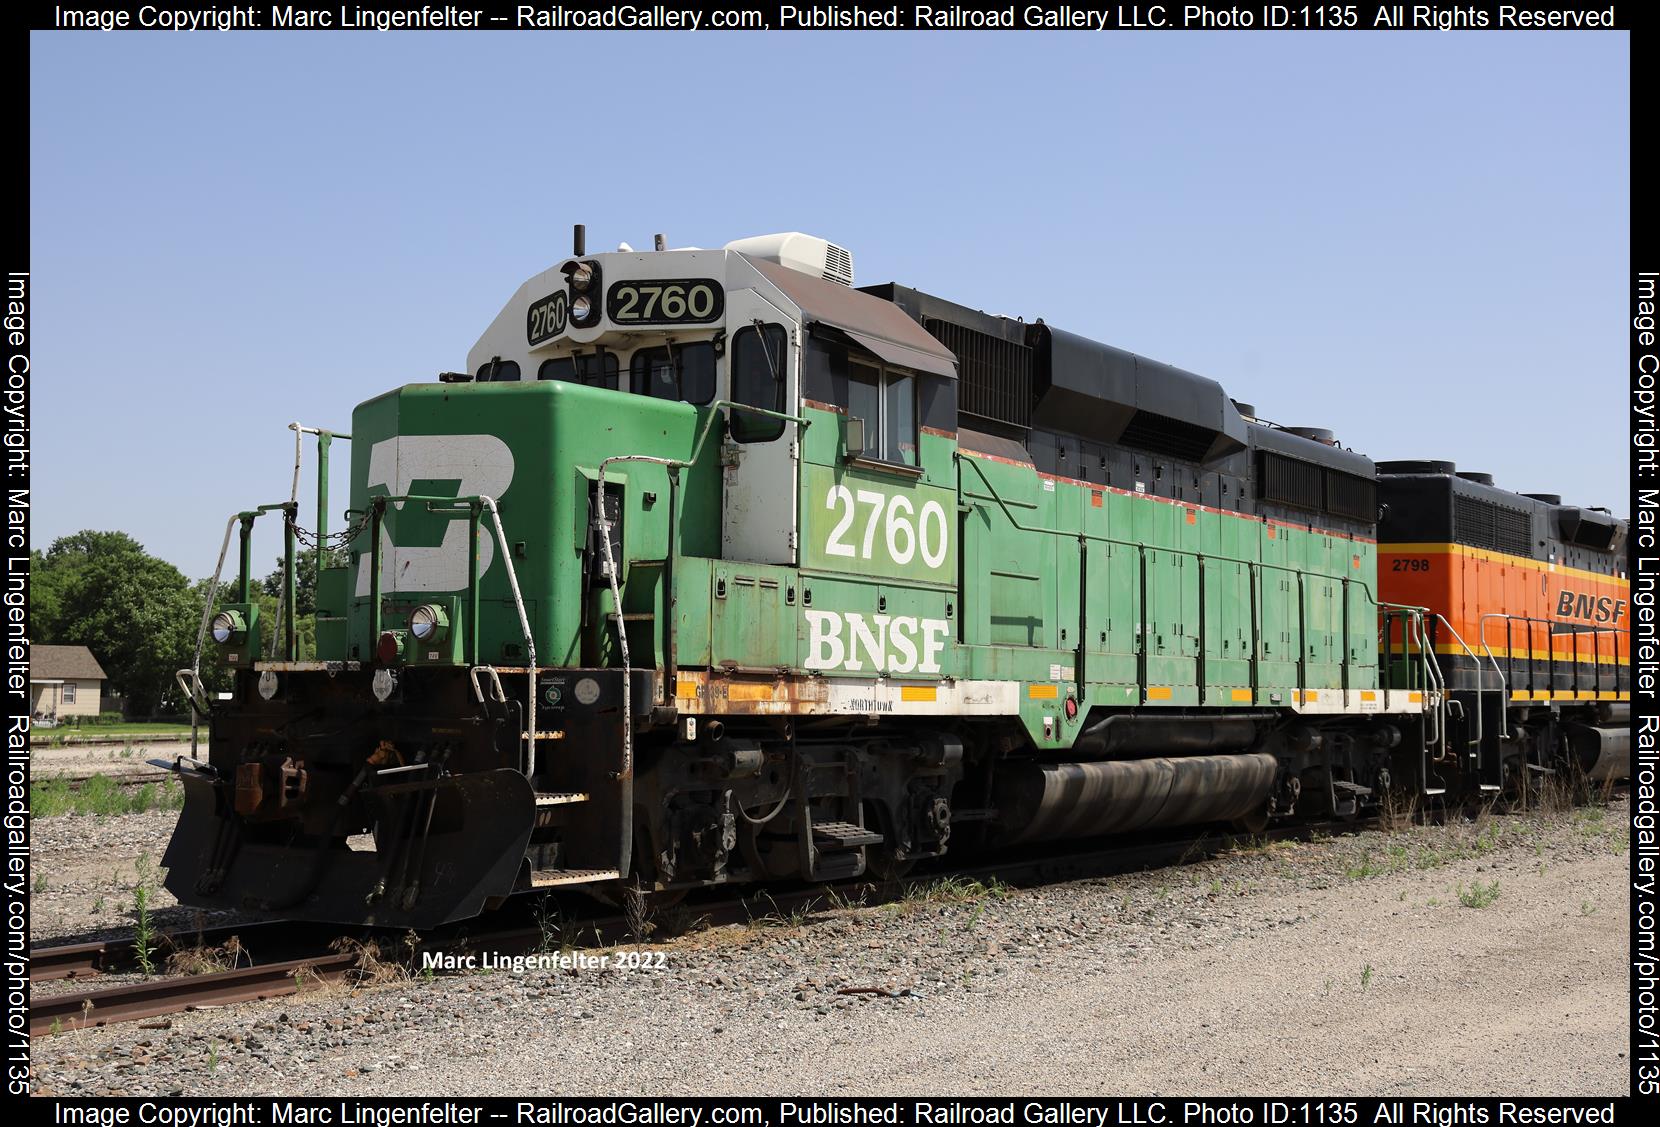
(1590, 608)
(890, 644)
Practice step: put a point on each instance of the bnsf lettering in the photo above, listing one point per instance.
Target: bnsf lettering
(884, 644)
(1590, 608)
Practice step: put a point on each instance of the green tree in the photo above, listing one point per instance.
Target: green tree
(135, 612)
(305, 580)
(52, 577)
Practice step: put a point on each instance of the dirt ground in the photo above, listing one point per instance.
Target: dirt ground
(1482, 957)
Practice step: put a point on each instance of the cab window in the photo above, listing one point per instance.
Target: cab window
(497, 370)
(683, 371)
(885, 398)
(589, 368)
(758, 360)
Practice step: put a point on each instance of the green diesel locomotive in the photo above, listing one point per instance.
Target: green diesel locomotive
(715, 568)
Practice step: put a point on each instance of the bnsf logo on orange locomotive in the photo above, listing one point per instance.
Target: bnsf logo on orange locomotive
(1590, 608)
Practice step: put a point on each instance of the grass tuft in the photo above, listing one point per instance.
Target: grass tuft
(102, 795)
(1479, 894)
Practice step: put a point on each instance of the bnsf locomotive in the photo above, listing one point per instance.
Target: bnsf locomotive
(712, 567)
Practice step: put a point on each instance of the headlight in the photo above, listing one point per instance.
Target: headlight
(428, 623)
(228, 627)
(581, 308)
(582, 276)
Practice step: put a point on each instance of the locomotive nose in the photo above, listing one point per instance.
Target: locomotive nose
(444, 849)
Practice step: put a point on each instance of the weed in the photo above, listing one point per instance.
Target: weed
(144, 928)
(956, 890)
(1328, 984)
(1487, 839)
(370, 966)
(1478, 895)
(1397, 811)
(1586, 908)
(550, 922)
(40, 882)
(203, 959)
(842, 902)
(102, 795)
(49, 798)
(637, 911)
(776, 917)
(213, 1056)
(1366, 976)
(57, 1026)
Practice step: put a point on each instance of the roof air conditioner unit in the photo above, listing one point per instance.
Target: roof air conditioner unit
(806, 253)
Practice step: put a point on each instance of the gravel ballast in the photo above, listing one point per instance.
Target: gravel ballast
(1484, 957)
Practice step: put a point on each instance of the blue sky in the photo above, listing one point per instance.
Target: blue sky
(1417, 240)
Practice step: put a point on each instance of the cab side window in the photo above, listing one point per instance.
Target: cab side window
(497, 370)
(885, 398)
(758, 359)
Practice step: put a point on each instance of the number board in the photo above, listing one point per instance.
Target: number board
(861, 525)
(546, 318)
(669, 301)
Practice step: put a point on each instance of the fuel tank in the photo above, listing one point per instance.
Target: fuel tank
(1050, 801)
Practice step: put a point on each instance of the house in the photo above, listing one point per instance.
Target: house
(64, 681)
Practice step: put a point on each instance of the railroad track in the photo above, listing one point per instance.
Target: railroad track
(288, 958)
(120, 954)
(121, 778)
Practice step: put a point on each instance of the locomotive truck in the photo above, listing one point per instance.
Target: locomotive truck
(711, 567)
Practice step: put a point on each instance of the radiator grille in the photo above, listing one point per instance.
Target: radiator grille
(1287, 481)
(994, 376)
(1498, 528)
(1351, 496)
(1304, 485)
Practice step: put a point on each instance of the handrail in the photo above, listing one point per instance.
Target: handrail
(377, 511)
(1578, 631)
(1480, 692)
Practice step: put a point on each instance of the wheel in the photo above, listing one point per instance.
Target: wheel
(882, 865)
(1253, 823)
